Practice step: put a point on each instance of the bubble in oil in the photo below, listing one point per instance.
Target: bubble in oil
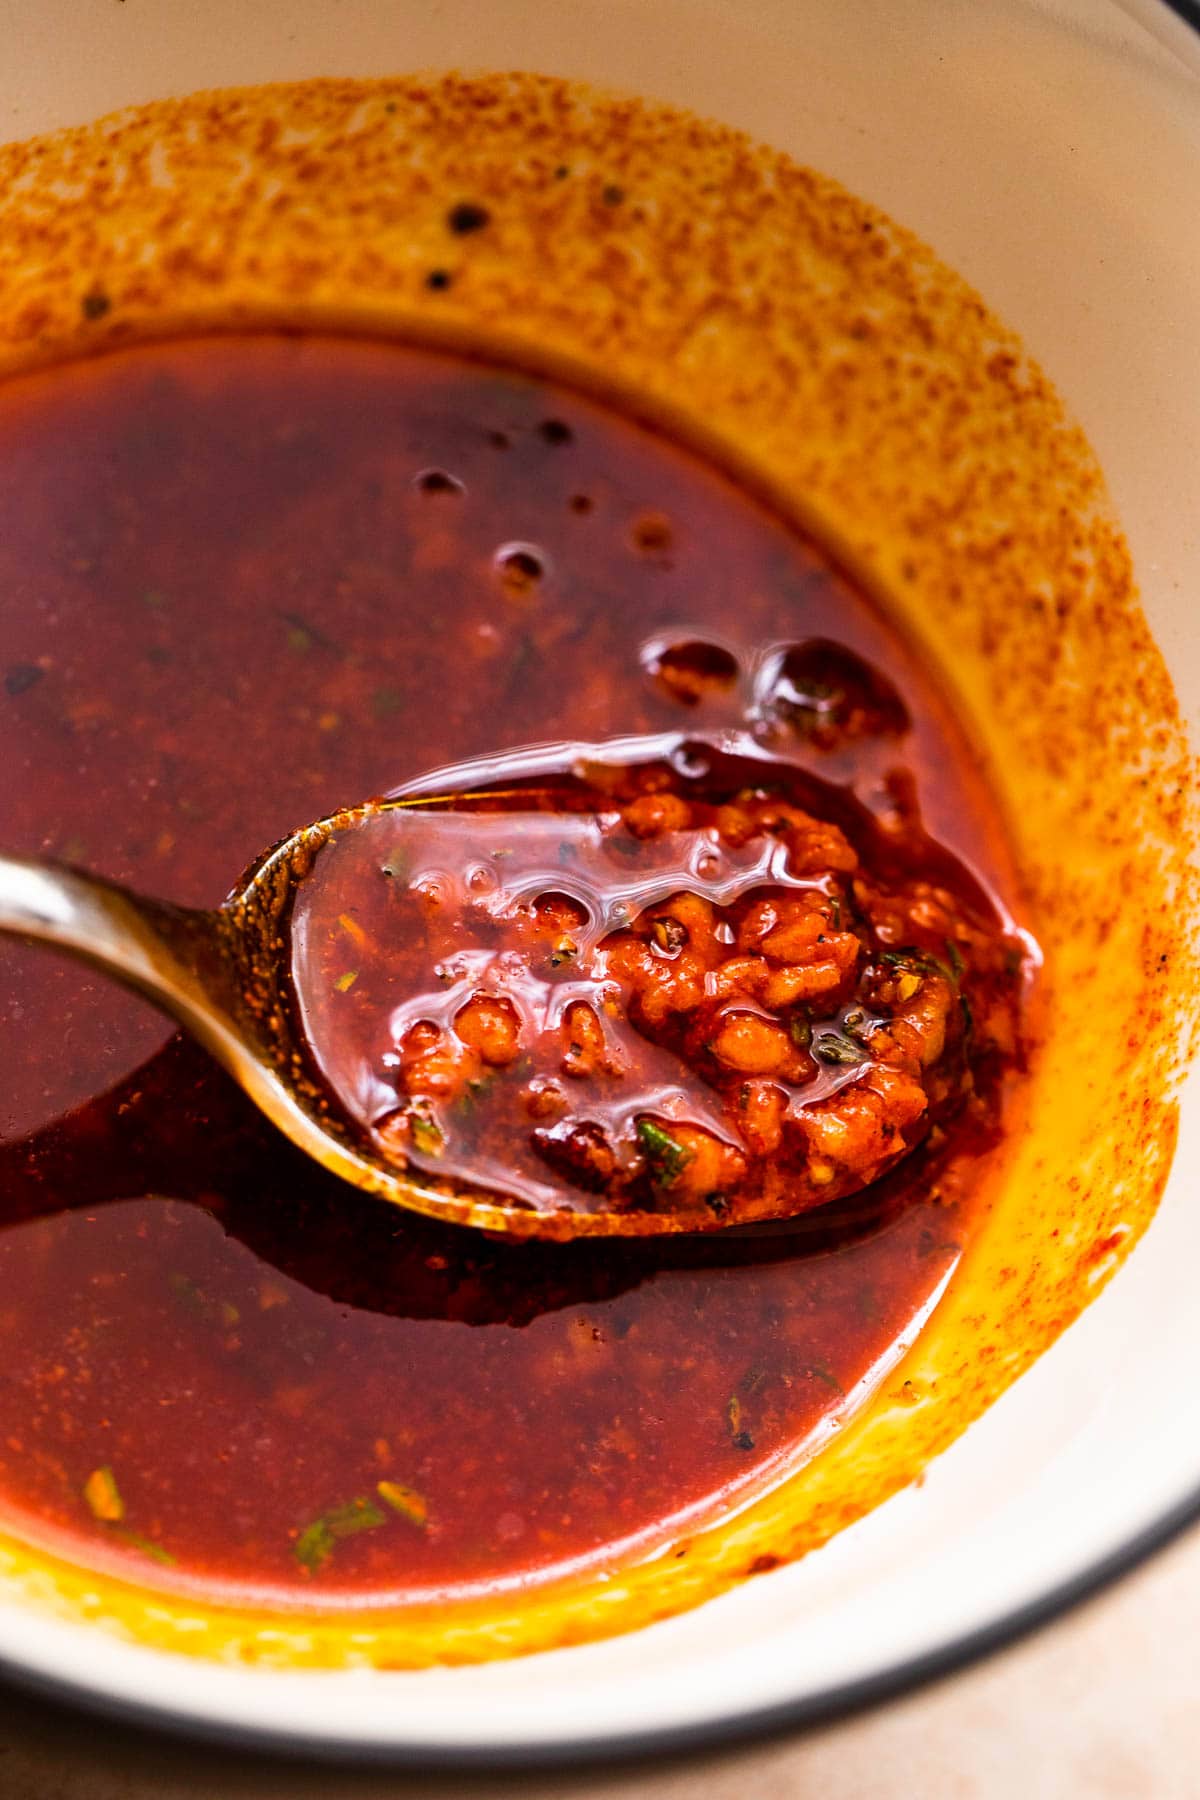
(521, 569)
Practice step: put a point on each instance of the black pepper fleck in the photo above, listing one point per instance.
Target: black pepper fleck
(612, 195)
(438, 280)
(466, 216)
(95, 304)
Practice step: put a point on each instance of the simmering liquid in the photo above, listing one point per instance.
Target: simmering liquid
(244, 582)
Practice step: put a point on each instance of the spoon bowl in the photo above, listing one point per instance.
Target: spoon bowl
(223, 975)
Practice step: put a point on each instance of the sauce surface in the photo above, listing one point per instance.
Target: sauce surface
(244, 582)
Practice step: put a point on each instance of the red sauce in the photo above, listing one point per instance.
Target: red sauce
(665, 976)
(244, 582)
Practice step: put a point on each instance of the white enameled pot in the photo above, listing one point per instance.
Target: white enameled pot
(1050, 151)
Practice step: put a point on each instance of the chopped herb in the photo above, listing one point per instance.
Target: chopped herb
(404, 1500)
(299, 639)
(103, 1496)
(345, 982)
(426, 1134)
(317, 1541)
(386, 702)
(955, 958)
(800, 1030)
(910, 957)
(753, 1379)
(968, 1015)
(835, 907)
(147, 1546)
(469, 1097)
(187, 1293)
(733, 1412)
(831, 1047)
(869, 1307)
(820, 1371)
(666, 1156)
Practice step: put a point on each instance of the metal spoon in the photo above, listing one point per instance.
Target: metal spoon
(224, 975)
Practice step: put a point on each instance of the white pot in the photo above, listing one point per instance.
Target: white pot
(1049, 151)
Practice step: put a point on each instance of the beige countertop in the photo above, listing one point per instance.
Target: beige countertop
(1102, 1705)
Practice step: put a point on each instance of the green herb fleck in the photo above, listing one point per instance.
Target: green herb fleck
(753, 1379)
(666, 1156)
(832, 1047)
(910, 957)
(821, 1371)
(345, 982)
(855, 1024)
(426, 1134)
(869, 1307)
(317, 1541)
(147, 1546)
(955, 958)
(386, 702)
(800, 1030)
(187, 1293)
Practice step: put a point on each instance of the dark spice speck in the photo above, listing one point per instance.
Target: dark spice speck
(21, 677)
(466, 217)
(555, 431)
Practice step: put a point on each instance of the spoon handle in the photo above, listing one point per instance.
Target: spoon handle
(169, 954)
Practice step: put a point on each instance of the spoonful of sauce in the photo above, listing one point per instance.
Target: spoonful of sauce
(658, 985)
